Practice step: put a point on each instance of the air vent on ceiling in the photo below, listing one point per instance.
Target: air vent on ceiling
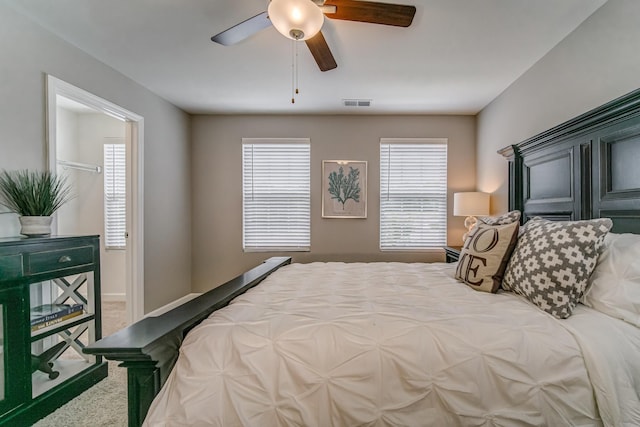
(356, 102)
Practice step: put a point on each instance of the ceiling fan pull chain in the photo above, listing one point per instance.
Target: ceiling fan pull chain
(293, 72)
(297, 66)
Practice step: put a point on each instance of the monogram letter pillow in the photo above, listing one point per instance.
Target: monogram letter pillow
(485, 255)
(553, 260)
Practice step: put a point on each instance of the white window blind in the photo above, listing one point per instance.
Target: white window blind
(115, 214)
(276, 185)
(413, 193)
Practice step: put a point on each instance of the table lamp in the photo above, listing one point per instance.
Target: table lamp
(470, 204)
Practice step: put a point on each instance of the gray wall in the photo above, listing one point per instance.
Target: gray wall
(596, 63)
(217, 185)
(27, 53)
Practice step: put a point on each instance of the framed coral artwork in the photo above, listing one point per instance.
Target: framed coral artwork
(344, 189)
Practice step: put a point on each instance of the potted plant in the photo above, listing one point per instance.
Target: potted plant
(35, 196)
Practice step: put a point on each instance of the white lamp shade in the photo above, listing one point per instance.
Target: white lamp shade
(296, 19)
(472, 203)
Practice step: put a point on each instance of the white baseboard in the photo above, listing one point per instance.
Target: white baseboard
(114, 297)
(171, 305)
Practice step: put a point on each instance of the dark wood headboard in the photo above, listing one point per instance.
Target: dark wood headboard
(587, 167)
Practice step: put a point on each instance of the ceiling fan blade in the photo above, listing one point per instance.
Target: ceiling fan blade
(241, 31)
(321, 52)
(398, 15)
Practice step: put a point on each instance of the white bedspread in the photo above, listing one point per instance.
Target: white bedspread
(389, 344)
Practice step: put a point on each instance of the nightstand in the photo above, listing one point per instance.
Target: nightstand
(452, 253)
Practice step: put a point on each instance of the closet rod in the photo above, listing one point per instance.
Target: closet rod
(80, 166)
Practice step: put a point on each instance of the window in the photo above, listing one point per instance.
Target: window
(276, 196)
(413, 193)
(115, 213)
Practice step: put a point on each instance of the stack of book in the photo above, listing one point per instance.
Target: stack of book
(50, 314)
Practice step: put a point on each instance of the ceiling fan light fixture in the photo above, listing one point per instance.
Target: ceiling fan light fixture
(296, 19)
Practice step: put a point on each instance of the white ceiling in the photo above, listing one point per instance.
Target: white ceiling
(455, 58)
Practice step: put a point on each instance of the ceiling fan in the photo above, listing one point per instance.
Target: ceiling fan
(303, 19)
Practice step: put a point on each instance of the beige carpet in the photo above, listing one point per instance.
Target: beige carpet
(104, 404)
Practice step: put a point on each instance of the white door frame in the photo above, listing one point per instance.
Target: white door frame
(135, 256)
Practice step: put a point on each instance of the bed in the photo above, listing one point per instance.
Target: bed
(408, 344)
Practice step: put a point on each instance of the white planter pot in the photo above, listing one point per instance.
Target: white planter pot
(34, 226)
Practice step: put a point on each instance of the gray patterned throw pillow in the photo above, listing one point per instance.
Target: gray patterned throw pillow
(506, 218)
(553, 260)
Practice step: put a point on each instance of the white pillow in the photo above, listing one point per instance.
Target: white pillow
(615, 283)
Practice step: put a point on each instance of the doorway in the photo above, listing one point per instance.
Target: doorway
(82, 131)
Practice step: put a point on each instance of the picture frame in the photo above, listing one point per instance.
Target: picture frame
(344, 189)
